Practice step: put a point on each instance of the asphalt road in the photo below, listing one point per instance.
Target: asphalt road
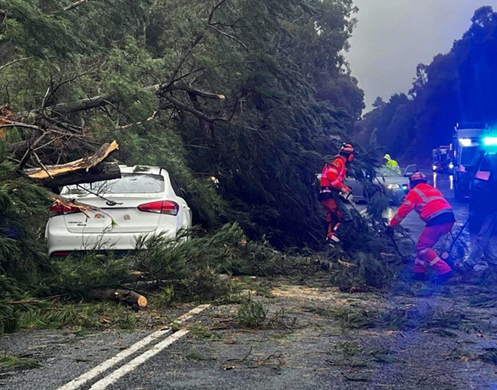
(235, 360)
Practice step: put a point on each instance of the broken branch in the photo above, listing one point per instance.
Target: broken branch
(75, 5)
(101, 172)
(199, 114)
(83, 163)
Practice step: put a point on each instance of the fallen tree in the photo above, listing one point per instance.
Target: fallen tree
(84, 170)
(48, 172)
(103, 171)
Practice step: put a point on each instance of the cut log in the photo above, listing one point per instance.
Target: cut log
(103, 171)
(119, 295)
(49, 172)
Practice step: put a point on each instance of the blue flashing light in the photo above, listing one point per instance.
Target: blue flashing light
(490, 141)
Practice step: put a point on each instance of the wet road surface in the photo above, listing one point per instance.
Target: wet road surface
(218, 356)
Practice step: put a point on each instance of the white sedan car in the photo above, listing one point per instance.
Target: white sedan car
(142, 201)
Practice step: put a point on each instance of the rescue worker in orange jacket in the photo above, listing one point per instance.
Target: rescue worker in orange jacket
(332, 178)
(433, 209)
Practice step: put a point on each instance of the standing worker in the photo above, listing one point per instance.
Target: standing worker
(433, 209)
(332, 178)
(392, 164)
(484, 208)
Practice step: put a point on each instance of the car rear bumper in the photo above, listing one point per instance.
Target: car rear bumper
(62, 241)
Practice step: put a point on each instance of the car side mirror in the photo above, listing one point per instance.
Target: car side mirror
(410, 170)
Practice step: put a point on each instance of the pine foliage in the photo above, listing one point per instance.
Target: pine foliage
(242, 102)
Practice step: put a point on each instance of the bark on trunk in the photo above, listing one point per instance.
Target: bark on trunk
(120, 295)
(103, 171)
(49, 172)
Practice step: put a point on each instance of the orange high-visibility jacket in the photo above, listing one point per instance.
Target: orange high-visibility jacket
(426, 200)
(333, 174)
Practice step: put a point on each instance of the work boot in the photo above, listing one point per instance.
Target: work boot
(419, 266)
(332, 240)
(462, 268)
(440, 266)
(440, 279)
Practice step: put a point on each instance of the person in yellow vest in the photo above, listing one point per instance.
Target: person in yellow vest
(392, 164)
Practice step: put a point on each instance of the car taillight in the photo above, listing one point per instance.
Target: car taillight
(58, 209)
(160, 207)
(60, 254)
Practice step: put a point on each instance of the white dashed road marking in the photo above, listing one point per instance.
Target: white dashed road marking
(120, 372)
(102, 367)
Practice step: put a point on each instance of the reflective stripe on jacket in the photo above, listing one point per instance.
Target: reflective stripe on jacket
(333, 174)
(426, 200)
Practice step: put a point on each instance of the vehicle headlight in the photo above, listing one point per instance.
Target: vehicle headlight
(393, 186)
(451, 166)
(434, 167)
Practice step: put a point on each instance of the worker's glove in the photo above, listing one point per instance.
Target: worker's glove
(389, 230)
(346, 189)
(345, 195)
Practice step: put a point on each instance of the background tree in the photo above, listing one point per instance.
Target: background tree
(459, 86)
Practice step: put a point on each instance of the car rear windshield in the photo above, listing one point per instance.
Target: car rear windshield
(127, 184)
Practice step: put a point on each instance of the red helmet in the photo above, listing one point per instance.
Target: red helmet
(418, 176)
(415, 179)
(347, 150)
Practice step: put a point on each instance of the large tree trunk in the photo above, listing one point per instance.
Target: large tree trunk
(85, 163)
(102, 171)
(84, 170)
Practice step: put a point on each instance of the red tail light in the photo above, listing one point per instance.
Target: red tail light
(60, 253)
(160, 207)
(58, 209)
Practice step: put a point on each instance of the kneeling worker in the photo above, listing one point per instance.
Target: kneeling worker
(433, 209)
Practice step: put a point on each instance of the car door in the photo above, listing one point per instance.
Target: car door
(357, 188)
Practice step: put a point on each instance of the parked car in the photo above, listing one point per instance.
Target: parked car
(394, 185)
(142, 201)
(380, 179)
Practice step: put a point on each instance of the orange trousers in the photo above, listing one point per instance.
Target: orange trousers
(424, 249)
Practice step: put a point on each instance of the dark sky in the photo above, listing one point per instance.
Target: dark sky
(393, 36)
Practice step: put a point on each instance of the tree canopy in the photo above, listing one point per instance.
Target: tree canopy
(256, 94)
(459, 86)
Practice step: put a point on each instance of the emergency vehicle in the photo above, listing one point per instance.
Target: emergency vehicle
(441, 159)
(484, 162)
(466, 141)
